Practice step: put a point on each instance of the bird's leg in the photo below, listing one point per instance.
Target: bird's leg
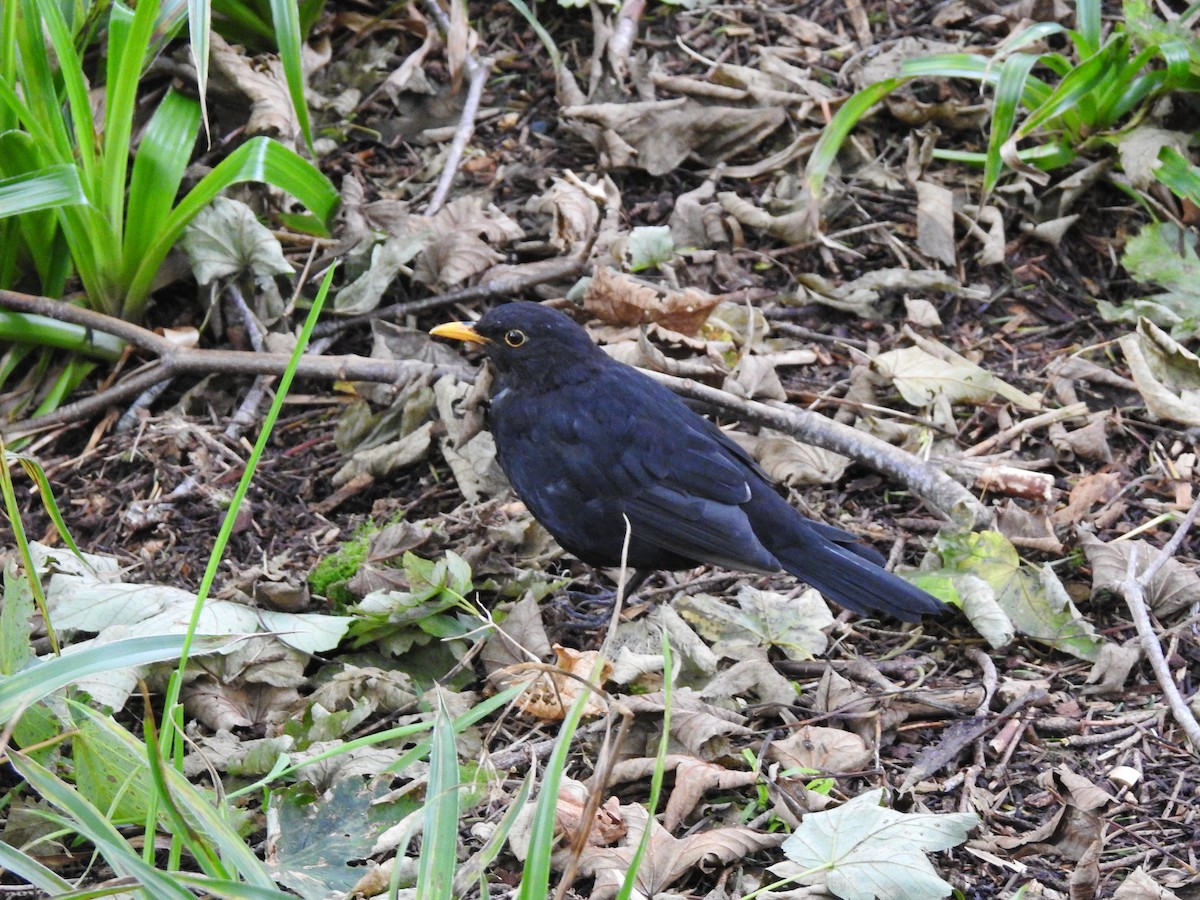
(593, 609)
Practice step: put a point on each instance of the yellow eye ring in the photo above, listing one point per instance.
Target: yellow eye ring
(514, 338)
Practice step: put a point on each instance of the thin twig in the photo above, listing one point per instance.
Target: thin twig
(477, 71)
(510, 280)
(1134, 589)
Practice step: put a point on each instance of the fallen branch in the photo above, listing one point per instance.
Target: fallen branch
(477, 71)
(173, 360)
(946, 495)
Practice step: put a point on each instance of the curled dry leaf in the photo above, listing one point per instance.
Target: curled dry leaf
(657, 136)
(551, 690)
(605, 827)
(575, 213)
(667, 859)
(1166, 373)
(618, 299)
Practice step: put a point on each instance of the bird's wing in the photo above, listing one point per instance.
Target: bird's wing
(684, 485)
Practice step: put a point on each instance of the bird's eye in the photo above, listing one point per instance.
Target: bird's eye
(514, 338)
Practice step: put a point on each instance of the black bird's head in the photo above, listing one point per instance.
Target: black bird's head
(530, 344)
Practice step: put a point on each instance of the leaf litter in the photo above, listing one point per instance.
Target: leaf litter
(682, 207)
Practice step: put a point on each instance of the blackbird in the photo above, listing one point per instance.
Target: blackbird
(587, 441)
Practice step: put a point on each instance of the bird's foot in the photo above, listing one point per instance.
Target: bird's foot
(585, 610)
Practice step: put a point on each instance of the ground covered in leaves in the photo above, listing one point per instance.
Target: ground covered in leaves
(657, 192)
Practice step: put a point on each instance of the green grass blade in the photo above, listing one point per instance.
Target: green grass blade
(162, 157)
(42, 118)
(29, 869)
(1088, 27)
(128, 43)
(1182, 178)
(259, 159)
(1073, 91)
(200, 31)
(69, 377)
(542, 34)
(970, 66)
(34, 471)
(1010, 88)
(439, 842)
(90, 822)
(203, 818)
(231, 890)
(835, 133)
(171, 707)
(43, 331)
(44, 678)
(629, 885)
(51, 187)
(286, 18)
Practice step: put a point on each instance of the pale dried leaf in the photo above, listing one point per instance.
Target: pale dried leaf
(935, 222)
(657, 136)
(1174, 587)
(814, 749)
(760, 620)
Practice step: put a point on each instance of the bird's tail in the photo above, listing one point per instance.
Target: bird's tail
(845, 570)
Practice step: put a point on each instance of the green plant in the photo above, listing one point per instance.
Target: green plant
(1108, 85)
(70, 202)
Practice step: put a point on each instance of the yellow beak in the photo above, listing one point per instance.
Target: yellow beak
(459, 331)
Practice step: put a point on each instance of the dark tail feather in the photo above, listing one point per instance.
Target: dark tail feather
(837, 564)
(852, 579)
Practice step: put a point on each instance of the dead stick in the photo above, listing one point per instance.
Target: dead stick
(945, 494)
(1135, 597)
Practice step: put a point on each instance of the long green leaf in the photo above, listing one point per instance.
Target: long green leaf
(439, 846)
(25, 866)
(1178, 174)
(1072, 91)
(162, 158)
(1087, 27)
(49, 188)
(44, 678)
(90, 822)
(1009, 90)
(834, 134)
(200, 30)
(204, 818)
(286, 18)
(42, 331)
(129, 42)
(259, 159)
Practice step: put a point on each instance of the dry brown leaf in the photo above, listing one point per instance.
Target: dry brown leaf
(1173, 588)
(659, 135)
(618, 299)
(821, 750)
(935, 222)
(551, 690)
(1028, 528)
(667, 859)
(575, 214)
(1087, 492)
(607, 825)
(699, 726)
(692, 778)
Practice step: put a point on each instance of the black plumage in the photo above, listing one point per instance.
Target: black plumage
(587, 441)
